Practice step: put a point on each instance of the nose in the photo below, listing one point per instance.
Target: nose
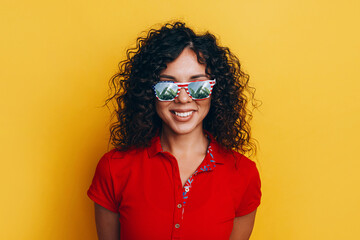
(183, 97)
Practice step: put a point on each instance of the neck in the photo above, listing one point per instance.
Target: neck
(180, 145)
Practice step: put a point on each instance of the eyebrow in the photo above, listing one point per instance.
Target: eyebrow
(192, 77)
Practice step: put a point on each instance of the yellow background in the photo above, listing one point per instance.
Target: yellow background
(303, 57)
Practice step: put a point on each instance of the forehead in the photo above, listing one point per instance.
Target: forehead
(185, 65)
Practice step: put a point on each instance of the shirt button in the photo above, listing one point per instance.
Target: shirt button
(177, 225)
(179, 205)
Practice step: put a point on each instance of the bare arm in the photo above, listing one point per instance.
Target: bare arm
(107, 223)
(243, 227)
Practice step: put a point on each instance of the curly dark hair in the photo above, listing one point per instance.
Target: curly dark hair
(131, 88)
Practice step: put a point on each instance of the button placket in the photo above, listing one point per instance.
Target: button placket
(207, 165)
(182, 193)
(178, 211)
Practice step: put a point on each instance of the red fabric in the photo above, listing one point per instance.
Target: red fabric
(144, 187)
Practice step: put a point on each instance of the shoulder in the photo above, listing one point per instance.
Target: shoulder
(111, 174)
(122, 154)
(235, 164)
(245, 167)
(247, 175)
(243, 163)
(242, 166)
(234, 159)
(119, 160)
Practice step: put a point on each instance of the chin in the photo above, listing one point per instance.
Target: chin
(182, 129)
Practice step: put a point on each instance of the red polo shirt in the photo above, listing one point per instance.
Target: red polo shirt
(144, 187)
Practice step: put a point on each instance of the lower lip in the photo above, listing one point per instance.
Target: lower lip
(182, 119)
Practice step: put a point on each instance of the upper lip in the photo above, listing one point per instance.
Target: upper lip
(182, 110)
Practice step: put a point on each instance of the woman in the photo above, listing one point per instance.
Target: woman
(177, 170)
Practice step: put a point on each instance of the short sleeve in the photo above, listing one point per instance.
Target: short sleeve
(101, 190)
(250, 199)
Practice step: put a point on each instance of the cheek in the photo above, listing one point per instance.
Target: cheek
(205, 106)
(161, 108)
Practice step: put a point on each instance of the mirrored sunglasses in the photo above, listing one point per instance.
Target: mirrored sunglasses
(197, 90)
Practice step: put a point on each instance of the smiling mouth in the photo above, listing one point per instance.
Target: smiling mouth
(183, 114)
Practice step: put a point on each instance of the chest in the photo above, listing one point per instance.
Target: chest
(163, 209)
(187, 169)
(159, 202)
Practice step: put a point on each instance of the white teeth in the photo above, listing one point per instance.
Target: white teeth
(183, 114)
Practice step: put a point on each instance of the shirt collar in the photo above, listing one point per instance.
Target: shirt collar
(217, 150)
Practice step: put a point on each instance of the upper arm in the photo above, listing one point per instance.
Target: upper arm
(243, 227)
(107, 223)
(248, 188)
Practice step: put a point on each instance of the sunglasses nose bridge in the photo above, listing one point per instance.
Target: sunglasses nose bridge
(183, 95)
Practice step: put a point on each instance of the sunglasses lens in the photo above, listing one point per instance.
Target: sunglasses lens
(166, 91)
(200, 90)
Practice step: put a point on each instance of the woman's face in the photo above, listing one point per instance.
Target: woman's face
(183, 115)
